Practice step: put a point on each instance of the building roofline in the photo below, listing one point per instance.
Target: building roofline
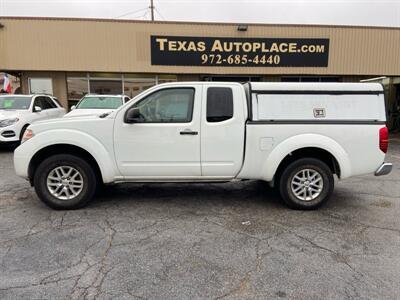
(192, 22)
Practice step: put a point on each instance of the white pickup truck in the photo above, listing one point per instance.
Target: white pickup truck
(294, 135)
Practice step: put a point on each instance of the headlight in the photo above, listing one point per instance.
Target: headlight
(8, 122)
(28, 134)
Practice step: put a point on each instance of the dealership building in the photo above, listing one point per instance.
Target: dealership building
(69, 58)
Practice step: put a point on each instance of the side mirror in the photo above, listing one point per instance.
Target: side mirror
(73, 107)
(132, 115)
(37, 109)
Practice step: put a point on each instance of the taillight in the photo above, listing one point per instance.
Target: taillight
(383, 139)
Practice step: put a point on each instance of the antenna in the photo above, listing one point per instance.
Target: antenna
(152, 9)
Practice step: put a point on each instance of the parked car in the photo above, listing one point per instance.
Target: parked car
(17, 112)
(97, 105)
(295, 136)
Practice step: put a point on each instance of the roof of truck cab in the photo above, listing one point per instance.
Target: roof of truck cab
(315, 86)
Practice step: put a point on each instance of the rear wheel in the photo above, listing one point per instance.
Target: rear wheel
(65, 181)
(306, 184)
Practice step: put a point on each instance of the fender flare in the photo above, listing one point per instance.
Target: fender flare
(80, 139)
(309, 140)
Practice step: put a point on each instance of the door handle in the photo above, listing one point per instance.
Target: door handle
(188, 132)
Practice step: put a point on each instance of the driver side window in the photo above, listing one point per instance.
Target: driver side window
(173, 105)
(38, 102)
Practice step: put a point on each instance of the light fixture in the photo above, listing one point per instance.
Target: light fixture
(242, 27)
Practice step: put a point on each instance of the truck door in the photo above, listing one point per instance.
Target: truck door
(165, 141)
(222, 130)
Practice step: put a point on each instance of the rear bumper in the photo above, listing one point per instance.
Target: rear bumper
(384, 169)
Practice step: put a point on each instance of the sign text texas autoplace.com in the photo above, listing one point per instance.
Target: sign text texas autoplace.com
(249, 52)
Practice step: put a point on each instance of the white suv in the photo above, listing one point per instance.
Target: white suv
(97, 105)
(17, 112)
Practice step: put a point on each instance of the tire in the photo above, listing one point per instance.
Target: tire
(72, 192)
(298, 192)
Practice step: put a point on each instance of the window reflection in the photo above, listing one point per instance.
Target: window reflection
(78, 84)
(77, 88)
(106, 87)
(167, 106)
(134, 86)
(41, 86)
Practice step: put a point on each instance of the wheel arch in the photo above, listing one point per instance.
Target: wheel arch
(62, 148)
(307, 145)
(309, 152)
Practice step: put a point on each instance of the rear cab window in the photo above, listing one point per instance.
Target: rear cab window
(219, 104)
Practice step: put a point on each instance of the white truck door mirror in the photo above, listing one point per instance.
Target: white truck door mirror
(37, 109)
(132, 115)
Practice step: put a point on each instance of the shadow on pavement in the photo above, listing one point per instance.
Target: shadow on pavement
(248, 193)
(4, 148)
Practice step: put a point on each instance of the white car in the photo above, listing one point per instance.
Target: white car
(17, 112)
(296, 136)
(91, 105)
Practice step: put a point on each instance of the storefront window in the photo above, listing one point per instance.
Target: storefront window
(134, 86)
(166, 78)
(310, 79)
(116, 76)
(105, 86)
(41, 86)
(76, 89)
(80, 84)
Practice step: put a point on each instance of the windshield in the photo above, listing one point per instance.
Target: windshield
(98, 102)
(12, 102)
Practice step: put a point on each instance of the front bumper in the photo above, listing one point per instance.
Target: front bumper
(21, 163)
(384, 169)
(9, 134)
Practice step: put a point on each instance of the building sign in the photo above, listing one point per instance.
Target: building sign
(236, 52)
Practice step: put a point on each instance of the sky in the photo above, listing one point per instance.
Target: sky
(342, 12)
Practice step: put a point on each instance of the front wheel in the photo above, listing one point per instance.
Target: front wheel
(306, 184)
(65, 181)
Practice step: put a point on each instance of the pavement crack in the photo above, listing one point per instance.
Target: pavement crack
(37, 284)
(103, 272)
(338, 256)
(349, 220)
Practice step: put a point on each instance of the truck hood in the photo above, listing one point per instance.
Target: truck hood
(63, 120)
(84, 123)
(86, 112)
(10, 114)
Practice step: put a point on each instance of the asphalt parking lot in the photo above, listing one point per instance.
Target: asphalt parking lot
(218, 241)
